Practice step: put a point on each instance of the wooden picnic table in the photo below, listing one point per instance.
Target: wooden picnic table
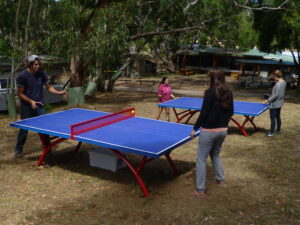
(187, 71)
(153, 82)
(125, 80)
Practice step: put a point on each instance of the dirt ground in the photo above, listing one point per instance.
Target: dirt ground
(262, 175)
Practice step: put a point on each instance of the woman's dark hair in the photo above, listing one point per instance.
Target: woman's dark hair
(164, 78)
(217, 82)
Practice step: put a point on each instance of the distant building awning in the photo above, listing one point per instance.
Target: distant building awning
(208, 50)
(257, 62)
(236, 53)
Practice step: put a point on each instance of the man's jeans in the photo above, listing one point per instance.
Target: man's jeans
(26, 112)
(209, 144)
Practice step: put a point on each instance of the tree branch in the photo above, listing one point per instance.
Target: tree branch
(162, 11)
(155, 33)
(263, 8)
(201, 26)
(98, 5)
(294, 57)
(27, 27)
(189, 4)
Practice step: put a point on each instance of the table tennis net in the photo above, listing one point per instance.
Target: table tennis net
(89, 125)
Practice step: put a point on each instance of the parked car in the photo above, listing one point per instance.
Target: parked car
(50, 98)
(3, 93)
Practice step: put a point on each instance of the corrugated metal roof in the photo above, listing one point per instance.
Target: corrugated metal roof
(209, 50)
(237, 53)
(264, 62)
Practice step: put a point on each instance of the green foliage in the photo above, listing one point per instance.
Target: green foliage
(99, 32)
(279, 29)
(108, 39)
(4, 47)
(224, 25)
(13, 39)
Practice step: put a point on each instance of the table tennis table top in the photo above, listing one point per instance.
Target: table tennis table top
(137, 135)
(240, 107)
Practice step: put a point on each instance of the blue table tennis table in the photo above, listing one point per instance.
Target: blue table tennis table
(146, 137)
(193, 105)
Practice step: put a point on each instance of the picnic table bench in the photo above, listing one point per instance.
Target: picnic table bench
(187, 71)
(125, 80)
(153, 82)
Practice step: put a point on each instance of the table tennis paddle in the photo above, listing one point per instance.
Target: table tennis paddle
(39, 104)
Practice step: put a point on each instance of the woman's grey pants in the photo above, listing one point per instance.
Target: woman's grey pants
(210, 143)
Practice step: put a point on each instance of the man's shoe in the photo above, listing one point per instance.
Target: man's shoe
(278, 132)
(270, 134)
(18, 155)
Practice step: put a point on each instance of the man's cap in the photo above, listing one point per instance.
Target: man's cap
(32, 58)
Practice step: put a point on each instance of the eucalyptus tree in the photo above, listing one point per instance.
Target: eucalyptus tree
(278, 25)
(92, 34)
(97, 36)
(174, 24)
(8, 46)
(11, 27)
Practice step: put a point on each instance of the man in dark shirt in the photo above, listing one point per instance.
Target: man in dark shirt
(30, 90)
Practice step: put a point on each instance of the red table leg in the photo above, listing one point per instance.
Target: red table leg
(247, 119)
(250, 119)
(47, 147)
(172, 163)
(240, 126)
(134, 171)
(78, 146)
(185, 113)
(142, 163)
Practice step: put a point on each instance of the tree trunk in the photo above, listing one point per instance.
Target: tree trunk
(170, 63)
(110, 85)
(298, 72)
(75, 92)
(298, 65)
(298, 80)
(78, 70)
(101, 86)
(26, 28)
(11, 100)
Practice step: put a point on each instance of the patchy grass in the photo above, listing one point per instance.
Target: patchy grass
(262, 176)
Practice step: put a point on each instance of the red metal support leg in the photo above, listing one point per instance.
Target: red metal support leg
(142, 163)
(78, 146)
(241, 127)
(172, 163)
(250, 119)
(46, 147)
(184, 114)
(176, 115)
(135, 172)
(191, 115)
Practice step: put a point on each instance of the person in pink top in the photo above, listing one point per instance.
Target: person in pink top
(164, 94)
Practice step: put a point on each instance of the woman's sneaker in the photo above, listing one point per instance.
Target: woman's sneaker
(270, 134)
(277, 132)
